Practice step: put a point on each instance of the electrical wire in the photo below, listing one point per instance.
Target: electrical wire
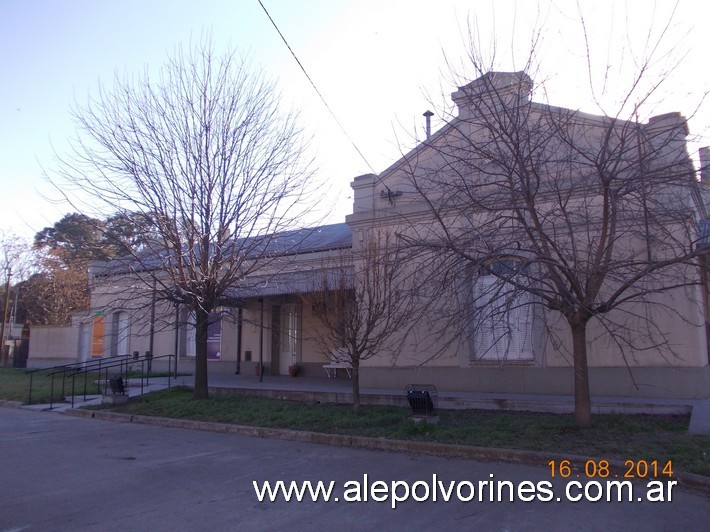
(316, 88)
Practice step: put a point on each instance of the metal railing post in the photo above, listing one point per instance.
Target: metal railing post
(51, 394)
(95, 367)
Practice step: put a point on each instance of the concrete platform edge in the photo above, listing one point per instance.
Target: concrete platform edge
(448, 402)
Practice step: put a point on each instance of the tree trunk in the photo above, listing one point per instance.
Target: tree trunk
(582, 401)
(356, 386)
(201, 322)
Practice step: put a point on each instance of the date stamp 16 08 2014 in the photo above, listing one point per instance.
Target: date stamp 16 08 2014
(593, 468)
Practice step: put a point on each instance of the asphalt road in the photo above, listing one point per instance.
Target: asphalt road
(65, 473)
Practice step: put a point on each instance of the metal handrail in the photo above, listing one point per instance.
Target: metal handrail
(95, 365)
(112, 364)
(148, 359)
(86, 367)
(77, 364)
(64, 368)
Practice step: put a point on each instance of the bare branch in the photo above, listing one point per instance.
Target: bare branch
(207, 157)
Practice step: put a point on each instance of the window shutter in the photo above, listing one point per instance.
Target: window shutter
(501, 334)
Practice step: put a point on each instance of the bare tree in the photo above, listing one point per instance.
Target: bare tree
(572, 217)
(364, 303)
(203, 153)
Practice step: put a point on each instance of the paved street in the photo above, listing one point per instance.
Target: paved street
(65, 473)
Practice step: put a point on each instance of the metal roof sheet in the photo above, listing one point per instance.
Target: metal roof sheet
(299, 241)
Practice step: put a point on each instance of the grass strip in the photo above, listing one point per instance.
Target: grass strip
(15, 385)
(613, 436)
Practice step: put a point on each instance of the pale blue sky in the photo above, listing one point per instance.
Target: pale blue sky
(372, 61)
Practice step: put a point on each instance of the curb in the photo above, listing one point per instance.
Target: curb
(11, 404)
(445, 450)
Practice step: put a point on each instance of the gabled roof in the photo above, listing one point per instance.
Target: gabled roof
(499, 84)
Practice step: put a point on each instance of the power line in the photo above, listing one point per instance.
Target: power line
(316, 88)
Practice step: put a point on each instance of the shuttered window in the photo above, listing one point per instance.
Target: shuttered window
(503, 327)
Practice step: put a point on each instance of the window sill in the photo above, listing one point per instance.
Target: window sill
(497, 363)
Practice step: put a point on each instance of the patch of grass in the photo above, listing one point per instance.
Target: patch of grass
(616, 437)
(15, 385)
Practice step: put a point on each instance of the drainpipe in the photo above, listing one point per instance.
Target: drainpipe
(177, 337)
(239, 340)
(261, 342)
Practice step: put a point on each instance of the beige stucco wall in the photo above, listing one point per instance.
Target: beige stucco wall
(432, 353)
(311, 353)
(673, 323)
(126, 294)
(665, 382)
(50, 345)
(675, 326)
(676, 322)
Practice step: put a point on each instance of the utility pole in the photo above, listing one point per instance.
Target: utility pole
(152, 329)
(5, 359)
